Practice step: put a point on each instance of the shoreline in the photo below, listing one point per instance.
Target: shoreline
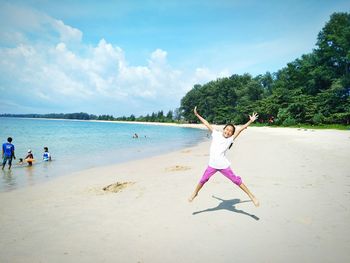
(189, 125)
(185, 125)
(302, 179)
(21, 176)
(273, 130)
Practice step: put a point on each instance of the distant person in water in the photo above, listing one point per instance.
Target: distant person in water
(135, 136)
(29, 158)
(221, 142)
(46, 155)
(8, 153)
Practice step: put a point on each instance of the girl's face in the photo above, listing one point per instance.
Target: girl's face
(228, 131)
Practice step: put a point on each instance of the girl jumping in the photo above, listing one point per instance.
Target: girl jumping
(221, 142)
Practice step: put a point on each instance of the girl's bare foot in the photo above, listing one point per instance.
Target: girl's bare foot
(193, 196)
(255, 201)
(251, 196)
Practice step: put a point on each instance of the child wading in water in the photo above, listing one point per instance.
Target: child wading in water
(221, 142)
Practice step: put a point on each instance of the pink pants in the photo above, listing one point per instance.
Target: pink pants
(226, 172)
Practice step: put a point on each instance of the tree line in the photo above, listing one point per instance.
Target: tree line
(171, 116)
(313, 89)
(69, 116)
(159, 116)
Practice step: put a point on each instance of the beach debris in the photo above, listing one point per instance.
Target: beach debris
(116, 187)
(177, 168)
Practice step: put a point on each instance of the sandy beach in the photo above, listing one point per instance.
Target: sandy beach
(301, 177)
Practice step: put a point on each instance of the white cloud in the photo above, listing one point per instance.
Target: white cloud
(204, 75)
(23, 25)
(158, 58)
(66, 32)
(43, 64)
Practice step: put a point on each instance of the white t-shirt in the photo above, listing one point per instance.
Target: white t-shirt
(218, 148)
(46, 156)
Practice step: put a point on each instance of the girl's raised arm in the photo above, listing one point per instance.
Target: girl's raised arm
(202, 119)
(252, 118)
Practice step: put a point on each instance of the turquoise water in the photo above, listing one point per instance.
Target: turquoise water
(79, 145)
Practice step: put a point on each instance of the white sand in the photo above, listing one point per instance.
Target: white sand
(301, 177)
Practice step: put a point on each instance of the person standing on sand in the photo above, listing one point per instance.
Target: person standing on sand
(221, 142)
(8, 152)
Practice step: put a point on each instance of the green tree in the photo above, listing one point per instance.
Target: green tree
(334, 45)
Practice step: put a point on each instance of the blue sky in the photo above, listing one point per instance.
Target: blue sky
(136, 57)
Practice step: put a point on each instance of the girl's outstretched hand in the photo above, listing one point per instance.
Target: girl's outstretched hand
(195, 111)
(254, 116)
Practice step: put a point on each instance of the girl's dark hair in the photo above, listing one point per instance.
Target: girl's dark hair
(234, 128)
(230, 124)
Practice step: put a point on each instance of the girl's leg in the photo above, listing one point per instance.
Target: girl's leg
(195, 193)
(207, 174)
(251, 196)
(238, 181)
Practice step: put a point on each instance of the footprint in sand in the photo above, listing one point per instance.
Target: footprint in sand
(116, 187)
(305, 220)
(177, 168)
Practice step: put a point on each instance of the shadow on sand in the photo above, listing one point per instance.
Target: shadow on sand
(228, 205)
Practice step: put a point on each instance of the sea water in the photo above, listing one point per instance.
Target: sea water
(80, 145)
